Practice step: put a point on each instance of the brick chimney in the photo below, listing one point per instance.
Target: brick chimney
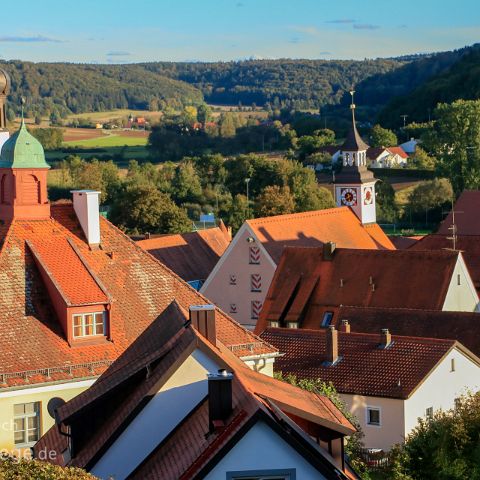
(328, 250)
(385, 338)
(86, 204)
(219, 398)
(344, 326)
(203, 320)
(331, 345)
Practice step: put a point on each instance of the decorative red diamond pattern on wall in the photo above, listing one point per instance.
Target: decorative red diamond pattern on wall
(256, 308)
(254, 255)
(256, 282)
(233, 308)
(233, 279)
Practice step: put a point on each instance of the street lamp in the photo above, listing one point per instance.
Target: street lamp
(247, 181)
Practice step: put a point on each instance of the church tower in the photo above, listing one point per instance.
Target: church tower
(23, 178)
(355, 184)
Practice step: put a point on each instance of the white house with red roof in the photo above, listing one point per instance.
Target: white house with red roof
(240, 280)
(387, 381)
(75, 292)
(177, 404)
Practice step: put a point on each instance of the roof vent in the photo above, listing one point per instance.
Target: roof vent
(344, 326)
(328, 250)
(203, 320)
(86, 204)
(385, 338)
(219, 398)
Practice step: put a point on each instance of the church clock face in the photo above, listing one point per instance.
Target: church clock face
(348, 197)
(367, 195)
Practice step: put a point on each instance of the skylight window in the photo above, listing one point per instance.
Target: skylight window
(327, 319)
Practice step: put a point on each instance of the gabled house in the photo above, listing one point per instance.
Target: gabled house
(387, 381)
(75, 292)
(177, 404)
(192, 256)
(387, 157)
(240, 280)
(311, 284)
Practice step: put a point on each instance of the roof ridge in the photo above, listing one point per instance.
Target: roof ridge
(304, 332)
(287, 216)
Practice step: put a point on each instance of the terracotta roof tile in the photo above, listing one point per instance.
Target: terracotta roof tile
(311, 229)
(460, 326)
(364, 368)
(139, 285)
(398, 151)
(466, 217)
(191, 256)
(469, 245)
(369, 278)
(76, 283)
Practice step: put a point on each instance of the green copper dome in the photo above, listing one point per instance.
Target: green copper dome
(22, 150)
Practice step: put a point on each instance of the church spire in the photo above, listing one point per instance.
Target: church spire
(23, 177)
(355, 184)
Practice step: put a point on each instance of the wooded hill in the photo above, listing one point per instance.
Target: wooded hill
(412, 84)
(453, 80)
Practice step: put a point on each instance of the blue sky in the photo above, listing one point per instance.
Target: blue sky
(117, 31)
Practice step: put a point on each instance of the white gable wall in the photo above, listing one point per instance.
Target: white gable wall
(235, 261)
(442, 386)
(391, 429)
(263, 449)
(185, 389)
(463, 297)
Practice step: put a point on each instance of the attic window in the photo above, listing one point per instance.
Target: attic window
(452, 364)
(459, 282)
(327, 319)
(88, 324)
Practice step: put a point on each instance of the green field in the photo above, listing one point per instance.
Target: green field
(114, 114)
(108, 141)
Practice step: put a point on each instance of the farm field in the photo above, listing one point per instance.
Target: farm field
(116, 114)
(102, 139)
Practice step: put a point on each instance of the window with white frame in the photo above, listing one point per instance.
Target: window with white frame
(26, 418)
(373, 416)
(89, 324)
(429, 413)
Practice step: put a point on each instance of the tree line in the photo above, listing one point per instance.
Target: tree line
(166, 198)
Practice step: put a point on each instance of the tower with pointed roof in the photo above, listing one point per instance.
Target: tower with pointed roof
(355, 184)
(23, 178)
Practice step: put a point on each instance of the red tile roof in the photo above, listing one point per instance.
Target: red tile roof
(461, 326)
(188, 449)
(191, 256)
(466, 211)
(363, 368)
(311, 229)
(403, 242)
(369, 278)
(140, 288)
(398, 151)
(54, 255)
(469, 245)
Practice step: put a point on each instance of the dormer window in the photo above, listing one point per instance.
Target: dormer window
(89, 324)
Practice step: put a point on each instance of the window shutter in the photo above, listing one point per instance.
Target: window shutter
(254, 255)
(256, 282)
(256, 308)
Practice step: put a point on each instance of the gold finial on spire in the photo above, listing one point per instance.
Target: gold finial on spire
(352, 93)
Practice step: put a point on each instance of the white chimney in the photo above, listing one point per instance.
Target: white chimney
(86, 204)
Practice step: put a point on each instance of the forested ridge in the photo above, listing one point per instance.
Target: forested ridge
(66, 88)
